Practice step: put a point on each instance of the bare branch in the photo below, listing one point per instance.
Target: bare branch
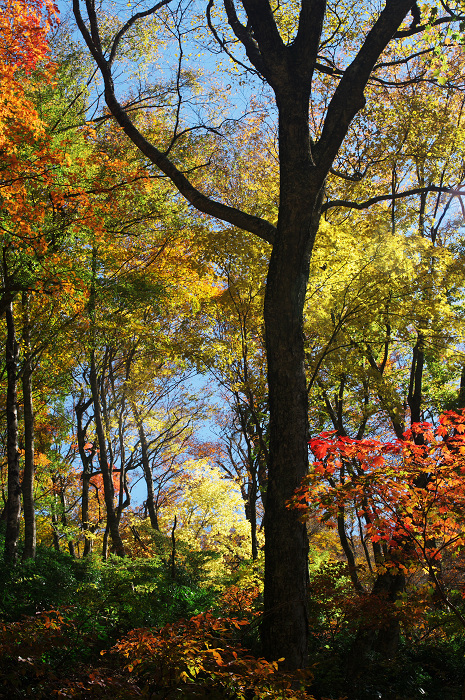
(412, 30)
(245, 37)
(132, 20)
(223, 45)
(348, 98)
(356, 177)
(389, 197)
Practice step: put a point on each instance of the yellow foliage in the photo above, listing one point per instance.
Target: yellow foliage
(210, 515)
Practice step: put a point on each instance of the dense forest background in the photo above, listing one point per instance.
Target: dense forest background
(135, 410)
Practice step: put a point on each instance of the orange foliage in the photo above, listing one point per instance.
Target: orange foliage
(97, 482)
(199, 657)
(239, 601)
(26, 158)
(202, 652)
(24, 25)
(410, 494)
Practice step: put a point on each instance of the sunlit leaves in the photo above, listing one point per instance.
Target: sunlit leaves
(409, 493)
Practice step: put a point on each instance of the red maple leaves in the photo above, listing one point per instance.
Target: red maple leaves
(409, 494)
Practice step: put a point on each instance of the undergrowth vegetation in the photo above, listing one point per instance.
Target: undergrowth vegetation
(125, 628)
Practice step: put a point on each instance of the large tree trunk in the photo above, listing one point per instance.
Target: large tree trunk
(14, 486)
(285, 621)
(28, 474)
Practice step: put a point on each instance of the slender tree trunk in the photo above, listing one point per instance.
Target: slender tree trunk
(251, 429)
(249, 497)
(28, 474)
(173, 550)
(124, 497)
(86, 461)
(105, 468)
(105, 543)
(341, 528)
(388, 585)
(14, 486)
(416, 378)
(56, 539)
(64, 518)
(85, 513)
(105, 465)
(253, 517)
(150, 502)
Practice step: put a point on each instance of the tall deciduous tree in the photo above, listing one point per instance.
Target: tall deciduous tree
(23, 29)
(287, 50)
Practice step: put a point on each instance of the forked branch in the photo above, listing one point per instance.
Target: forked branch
(254, 224)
